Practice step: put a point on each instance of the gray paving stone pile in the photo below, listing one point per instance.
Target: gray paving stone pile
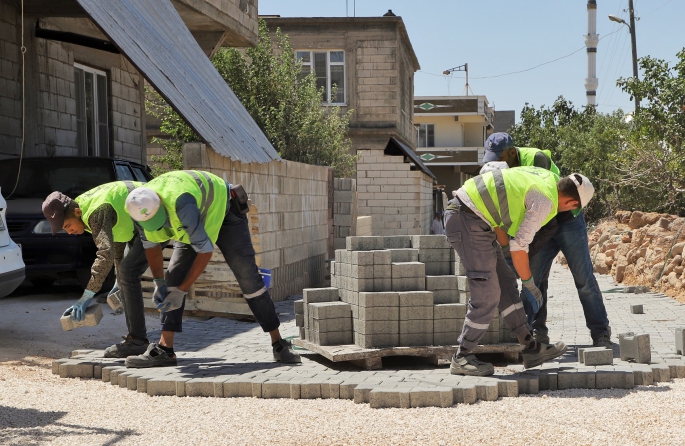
(227, 358)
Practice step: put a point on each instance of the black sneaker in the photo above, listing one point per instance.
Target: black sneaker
(154, 356)
(283, 352)
(130, 346)
(543, 353)
(603, 341)
(471, 366)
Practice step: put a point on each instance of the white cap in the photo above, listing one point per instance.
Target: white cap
(142, 204)
(585, 188)
(493, 165)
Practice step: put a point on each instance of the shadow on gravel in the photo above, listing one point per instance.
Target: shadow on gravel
(22, 426)
(606, 393)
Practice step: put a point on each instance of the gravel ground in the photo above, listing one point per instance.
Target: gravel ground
(37, 407)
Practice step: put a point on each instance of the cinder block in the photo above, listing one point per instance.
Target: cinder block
(445, 296)
(362, 271)
(437, 268)
(362, 257)
(680, 340)
(380, 299)
(429, 241)
(464, 297)
(416, 299)
(299, 306)
(448, 282)
(336, 337)
(329, 310)
(376, 340)
(415, 339)
(367, 243)
(334, 324)
(636, 309)
(435, 255)
(93, 318)
(416, 313)
(378, 327)
(360, 285)
(457, 268)
(598, 356)
(396, 241)
(408, 269)
(445, 338)
(303, 333)
(463, 283)
(416, 326)
(382, 272)
(379, 313)
(316, 295)
(404, 255)
(382, 285)
(299, 320)
(382, 257)
(449, 311)
(409, 284)
(445, 325)
(635, 347)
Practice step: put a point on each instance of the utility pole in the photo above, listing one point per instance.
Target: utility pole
(634, 45)
(591, 40)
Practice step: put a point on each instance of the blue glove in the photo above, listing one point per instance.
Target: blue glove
(173, 300)
(534, 292)
(78, 310)
(160, 291)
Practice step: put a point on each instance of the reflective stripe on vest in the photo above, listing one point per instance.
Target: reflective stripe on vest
(113, 194)
(207, 196)
(504, 219)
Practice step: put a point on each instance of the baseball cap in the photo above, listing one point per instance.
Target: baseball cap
(585, 188)
(53, 209)
(145, 207)
(493, 165)
(496, 144)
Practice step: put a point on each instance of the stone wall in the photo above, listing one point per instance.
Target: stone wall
(292, 203)
(344, 210)
(398, 199)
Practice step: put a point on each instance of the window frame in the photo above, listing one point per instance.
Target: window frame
(418, 135)
(97, 121)
(329, 86)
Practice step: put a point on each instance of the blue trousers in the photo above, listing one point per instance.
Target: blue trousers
(571, 240)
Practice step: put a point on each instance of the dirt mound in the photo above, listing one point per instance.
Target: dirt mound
(639, 248)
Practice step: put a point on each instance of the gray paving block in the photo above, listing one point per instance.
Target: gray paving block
(548, 378)
(680, 340)
(56, 363)
(205, 387)
(317, 295)
(412, 313)
(303, 333)
(364, 243)
(487, 390)
(76, 369)
(598, 356)
(676, 368)
(93, 318)
(635, 347)
(416, 326)
(614, 378)
(378, 327)
(332, 324)
(362, 284)
(636, 309)
(162, 387)
(382, 285)
(445, 325)
(409, 284)
(660, 372)
(435, 255)
(431, 397)
(299, 320)
(429, 241)
(642, 374)
(379, 313)
(299, 306)
(362, 392)
(380, 398)
(438, 268)
(236, 388)
(528, 382)
(464, 393)
(329, 310)
(404, 255)
(382, 257)
(457, 268)
(416, 299)
(336, 337)
(276, 389)
(396, 241)
(382, 272)
(362, 271)
(507, 388)
(416, 339)
(379, 299)
(463, 283)
(580, 378)
(449, 311)
(445, 296)
(445, 338)
(403, 270)
(448, 282)
(362, 258)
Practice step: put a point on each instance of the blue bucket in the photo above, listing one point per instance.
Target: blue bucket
(266, 277)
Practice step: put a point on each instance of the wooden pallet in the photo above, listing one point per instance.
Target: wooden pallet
(370, 358)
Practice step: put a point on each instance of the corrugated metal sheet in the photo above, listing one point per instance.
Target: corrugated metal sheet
(155, 39)
(395, 147)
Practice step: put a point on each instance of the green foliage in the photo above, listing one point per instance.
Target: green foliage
(285, 106)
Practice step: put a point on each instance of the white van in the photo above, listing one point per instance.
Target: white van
(12, 269)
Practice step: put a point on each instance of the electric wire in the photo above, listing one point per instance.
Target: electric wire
(23, 101)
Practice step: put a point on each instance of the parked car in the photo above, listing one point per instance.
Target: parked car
(50, 257)
(12, 271)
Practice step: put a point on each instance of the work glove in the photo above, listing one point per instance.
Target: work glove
(173, 300)
(78, 310)
(160, 291)
(534, 291)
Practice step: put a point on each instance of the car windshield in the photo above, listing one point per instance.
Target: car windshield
(40, 176)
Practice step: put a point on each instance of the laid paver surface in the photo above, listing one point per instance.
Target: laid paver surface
(225, 358)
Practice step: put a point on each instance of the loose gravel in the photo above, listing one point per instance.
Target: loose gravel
(37, 407)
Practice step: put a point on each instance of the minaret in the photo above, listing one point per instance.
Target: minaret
(591, 39)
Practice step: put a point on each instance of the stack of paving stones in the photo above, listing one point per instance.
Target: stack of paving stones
(228, 358)
(344, 210)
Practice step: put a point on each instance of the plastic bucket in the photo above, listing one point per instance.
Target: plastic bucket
(266, 276)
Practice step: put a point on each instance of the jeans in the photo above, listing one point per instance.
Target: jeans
(236, 246)
(130, 270)
(491, 281)
(571, 240)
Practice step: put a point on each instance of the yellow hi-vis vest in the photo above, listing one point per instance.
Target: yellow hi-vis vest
(210, 193)
(527, 157)
(114, 194)
(500, 194)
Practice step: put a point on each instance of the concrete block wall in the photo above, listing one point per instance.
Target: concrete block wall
(10, 81)
(398, 199)
(127, 115)
(292, 202)
(344, 210)
(393, 301)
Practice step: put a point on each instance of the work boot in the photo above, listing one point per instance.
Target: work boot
(603, 341)
(471, 366)
(542, 353)
(283, 352)
(541, 338)
(154, 356)
(130, 346)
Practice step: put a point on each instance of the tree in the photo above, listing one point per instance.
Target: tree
(286, 106)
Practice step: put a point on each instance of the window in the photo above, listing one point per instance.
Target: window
(91, 111)
(329, 69)
(425, 135)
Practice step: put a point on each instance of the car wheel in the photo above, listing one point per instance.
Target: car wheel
(42, 282)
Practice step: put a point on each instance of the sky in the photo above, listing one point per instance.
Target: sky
(503, 36)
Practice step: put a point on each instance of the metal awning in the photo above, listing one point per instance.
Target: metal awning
(154, 38)
(395, 147)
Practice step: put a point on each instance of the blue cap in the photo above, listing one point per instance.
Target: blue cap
(496, 144)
